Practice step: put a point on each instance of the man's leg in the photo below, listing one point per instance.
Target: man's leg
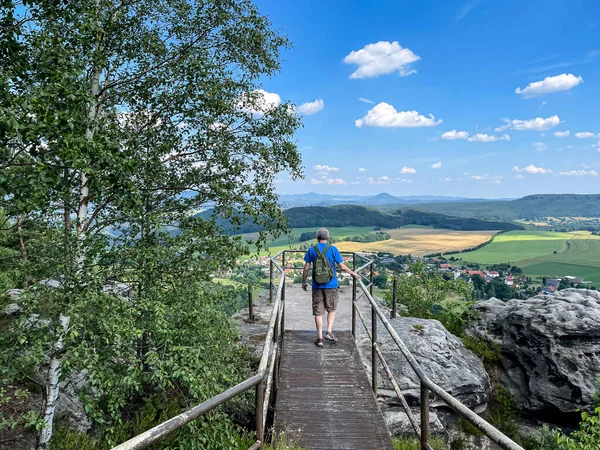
(319, 324)
(330, 320)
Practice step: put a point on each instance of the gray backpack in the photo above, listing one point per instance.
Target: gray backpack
(322, 270)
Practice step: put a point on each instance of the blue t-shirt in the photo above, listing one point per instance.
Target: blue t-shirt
(333, 255)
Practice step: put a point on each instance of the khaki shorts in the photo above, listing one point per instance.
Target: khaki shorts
(324, 300)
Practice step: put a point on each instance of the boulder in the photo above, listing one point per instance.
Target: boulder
(253, 333)
(14, 294)
(443, 358)
(550, 348)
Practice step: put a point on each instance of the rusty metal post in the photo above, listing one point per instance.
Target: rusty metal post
(250, 305)
(270, 281)
(283, 275)
(394, 297)
(260, 398)
(374, 351)
(353, 297)
(371, 279)
(424, 417)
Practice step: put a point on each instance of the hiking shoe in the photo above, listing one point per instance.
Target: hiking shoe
(330, 337)
(319, 342)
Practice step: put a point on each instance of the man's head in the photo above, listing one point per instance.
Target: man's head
(323, 234)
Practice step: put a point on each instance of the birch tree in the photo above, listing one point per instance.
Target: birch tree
(121, 118)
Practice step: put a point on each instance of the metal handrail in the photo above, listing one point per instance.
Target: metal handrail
(427, 385)
(265, 376)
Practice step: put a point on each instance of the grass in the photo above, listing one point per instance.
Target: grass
(412, 443)
(544, 253)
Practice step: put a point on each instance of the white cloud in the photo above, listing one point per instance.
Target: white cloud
(379, 180)
(362, 169)
(385, 115)
(454, 135)
(311, 107)
(381, 58)
(580, 173)
(315, 181)
(259, 102)
(531, 169)
(540, 146)
(549, 85)
(321, 168)
(447, 180)
(519, 177)
(482, 137)
(562, 134)
(408, 170)
(366, 100)
(586, 135)
(537, 124)
(436, 165)
(336, 181)
(467, 8)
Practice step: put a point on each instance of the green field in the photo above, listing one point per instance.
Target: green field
(544, 253)
(291, 240)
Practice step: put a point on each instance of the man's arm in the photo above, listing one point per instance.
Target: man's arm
(305, 274)
(346, 269)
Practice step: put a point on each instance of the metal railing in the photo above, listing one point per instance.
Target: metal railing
(426, 385)
(266, 379)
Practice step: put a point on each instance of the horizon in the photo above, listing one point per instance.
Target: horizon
(466, 98)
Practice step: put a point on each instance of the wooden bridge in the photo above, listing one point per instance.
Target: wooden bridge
(323, 397)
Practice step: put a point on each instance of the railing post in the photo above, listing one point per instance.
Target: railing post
(374, 351)
(371, 279)
(250, 305)
(353, 297)
(270, 281)
(394, 297)
(424, 417)
(283, 275)
(260, 398)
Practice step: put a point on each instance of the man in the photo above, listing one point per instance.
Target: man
(324, 296)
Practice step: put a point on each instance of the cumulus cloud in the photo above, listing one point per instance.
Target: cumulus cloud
(436, 165)
(332, 181)
(321, 168)
(519, 177)
(385, 115)
(586, 135)
(381, 58)
(379, 180)
(562, 134)
(548, 85)
(366, 100)
(540, 146)
(482, 137)
(531, 169)
(408, 170)
(362, 169)
(454, 135)
(537, 124)
(311, 107)
(258, 102)
(580, 173)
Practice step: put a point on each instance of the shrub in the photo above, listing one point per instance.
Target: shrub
(586, 438)
(412, 443)
(489, 352)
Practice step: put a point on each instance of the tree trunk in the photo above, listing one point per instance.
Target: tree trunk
(53, 386)
(21, 241)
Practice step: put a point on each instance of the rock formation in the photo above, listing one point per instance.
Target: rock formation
(550, 348)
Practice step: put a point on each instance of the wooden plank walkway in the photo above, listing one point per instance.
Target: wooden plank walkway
(325, 399)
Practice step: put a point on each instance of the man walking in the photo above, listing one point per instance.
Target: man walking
(325, 296)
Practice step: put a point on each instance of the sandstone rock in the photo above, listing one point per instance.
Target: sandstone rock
(117, 288)
(443, 358)
(15, 294)
(254, 333)
(550, 348)
(69, 408)
(12, 309)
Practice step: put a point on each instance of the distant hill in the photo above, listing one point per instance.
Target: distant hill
(313, 199)
(353, 215)
(529, 207)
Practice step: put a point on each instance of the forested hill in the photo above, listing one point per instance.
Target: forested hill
(352, 215)
(529, 207)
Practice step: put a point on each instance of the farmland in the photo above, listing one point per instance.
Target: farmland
(412, 240)
(544, 253)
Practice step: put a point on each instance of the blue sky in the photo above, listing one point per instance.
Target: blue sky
(480, 72)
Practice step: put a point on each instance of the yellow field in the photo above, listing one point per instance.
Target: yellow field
(420, 241)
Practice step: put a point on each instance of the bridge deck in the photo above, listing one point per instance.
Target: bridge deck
(325, 399)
